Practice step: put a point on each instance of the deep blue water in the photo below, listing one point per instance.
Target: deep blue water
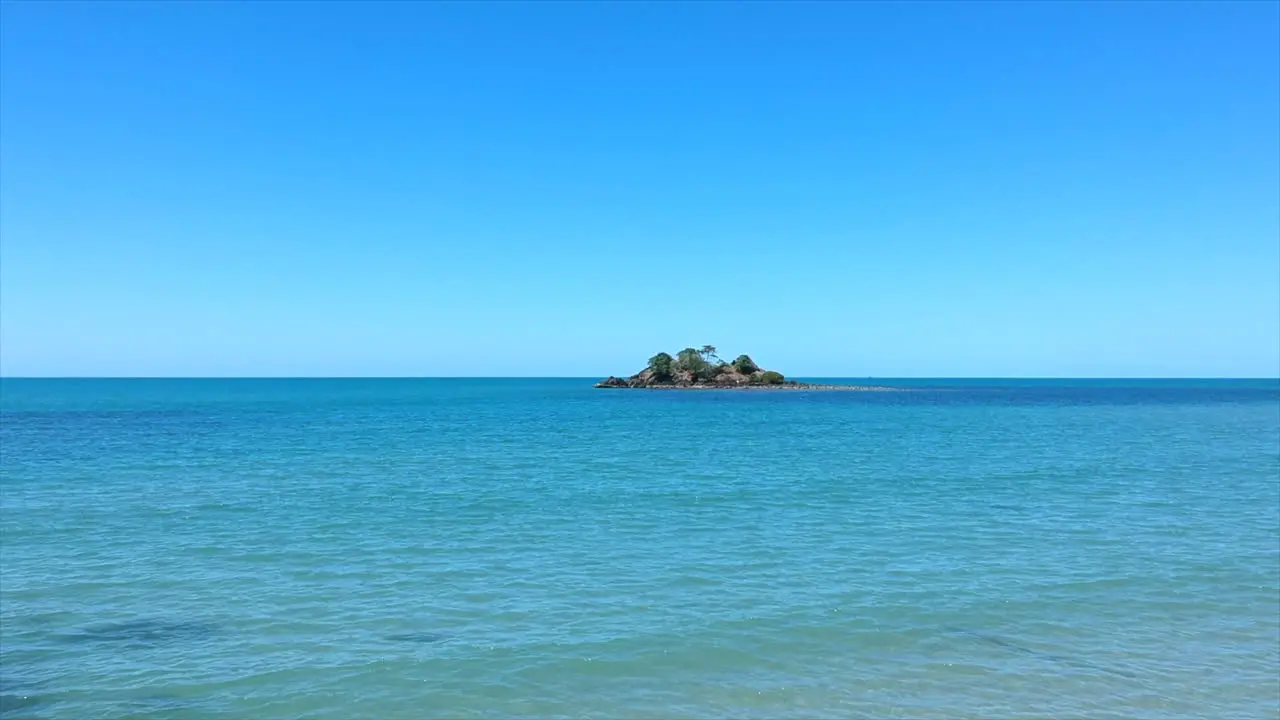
(538, 548)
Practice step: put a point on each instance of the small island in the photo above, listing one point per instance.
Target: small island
(703, 369)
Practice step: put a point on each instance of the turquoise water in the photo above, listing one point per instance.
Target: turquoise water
(536, 548)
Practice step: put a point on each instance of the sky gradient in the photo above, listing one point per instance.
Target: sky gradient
(840, 189)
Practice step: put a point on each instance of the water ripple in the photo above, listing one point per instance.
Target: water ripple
(537, 549)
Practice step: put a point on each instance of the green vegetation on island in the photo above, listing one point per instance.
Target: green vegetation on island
(701, 368)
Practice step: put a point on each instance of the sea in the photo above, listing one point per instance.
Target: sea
(536, 548)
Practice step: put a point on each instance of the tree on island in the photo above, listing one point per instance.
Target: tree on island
(692, 361)
(708, 353)
(661, 365)
(745, 365)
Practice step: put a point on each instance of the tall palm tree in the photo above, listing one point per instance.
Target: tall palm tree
(708, 352)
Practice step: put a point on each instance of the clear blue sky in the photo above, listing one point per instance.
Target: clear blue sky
(841, 189)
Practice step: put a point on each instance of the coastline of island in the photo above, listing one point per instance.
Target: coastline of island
(694, 369)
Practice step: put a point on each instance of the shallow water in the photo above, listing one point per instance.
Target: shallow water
(501, 548)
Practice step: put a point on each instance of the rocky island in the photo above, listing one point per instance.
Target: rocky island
(702, 369)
